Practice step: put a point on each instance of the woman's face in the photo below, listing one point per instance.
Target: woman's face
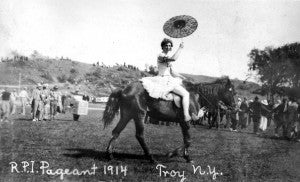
(167, 47)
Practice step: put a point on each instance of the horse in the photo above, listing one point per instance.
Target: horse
(134, 103)
(210, 96)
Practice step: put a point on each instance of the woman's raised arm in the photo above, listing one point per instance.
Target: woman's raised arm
(164, 59)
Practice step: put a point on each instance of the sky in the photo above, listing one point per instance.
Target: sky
(118, 31)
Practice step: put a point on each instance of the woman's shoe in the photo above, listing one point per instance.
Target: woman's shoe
(188, 118)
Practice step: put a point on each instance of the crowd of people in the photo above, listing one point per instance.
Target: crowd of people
(43, 98)
(45, 102)
(285, 115)
(121, 66)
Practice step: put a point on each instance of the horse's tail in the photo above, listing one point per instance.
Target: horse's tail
(112, 107)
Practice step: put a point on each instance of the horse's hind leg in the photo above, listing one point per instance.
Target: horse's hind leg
(125, 118)
(139, 125)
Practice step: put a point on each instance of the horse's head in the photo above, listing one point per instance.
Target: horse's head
(210, 93)
(226, 94)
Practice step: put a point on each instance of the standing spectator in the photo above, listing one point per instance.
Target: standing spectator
(239, 102)
(264, 116)
(281, 116)
(249, 113)
(84, 97)
(243, 113)
(234, 118)
(278, 116)
(298, 122)
(278, 102)
(270, 116)
(54, 102)
(227, 116)
(24, 99)
(292, 118)
(256, 109)
(64, 103)
(45, 103)
(72, 104)
(36, 100)
(256, 114)
(238, 105)
(5, 106)
(13, 96)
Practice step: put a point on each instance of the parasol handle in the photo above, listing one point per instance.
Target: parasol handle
(181, 39)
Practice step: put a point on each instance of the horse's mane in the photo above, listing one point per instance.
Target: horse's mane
(222, 80)
(210, 93)
(210, 88)
(214, 87)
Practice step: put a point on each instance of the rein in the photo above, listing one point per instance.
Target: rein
(206, 99)
(220, 103)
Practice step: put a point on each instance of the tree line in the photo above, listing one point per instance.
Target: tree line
(277, 67)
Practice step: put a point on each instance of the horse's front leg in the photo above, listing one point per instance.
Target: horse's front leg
(185, 126)
(186, 141)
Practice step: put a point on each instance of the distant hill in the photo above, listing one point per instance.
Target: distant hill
(200, 78)
(35, 71)
(96, 80)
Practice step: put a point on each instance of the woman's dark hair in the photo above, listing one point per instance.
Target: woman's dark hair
(165, 42)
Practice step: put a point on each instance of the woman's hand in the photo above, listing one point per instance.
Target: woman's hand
(181, 45)
(175, 56)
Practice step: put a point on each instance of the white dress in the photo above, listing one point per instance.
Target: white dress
(159, 86)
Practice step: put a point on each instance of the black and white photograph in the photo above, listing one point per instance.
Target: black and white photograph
(149, 90)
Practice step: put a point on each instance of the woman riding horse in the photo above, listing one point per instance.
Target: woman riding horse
(167, 80)
(134, 102)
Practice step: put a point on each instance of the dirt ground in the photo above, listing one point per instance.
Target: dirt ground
(65, 150)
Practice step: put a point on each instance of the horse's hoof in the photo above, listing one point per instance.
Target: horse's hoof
(188, 159)
(175, 153)
(169, 155)
(151, 159)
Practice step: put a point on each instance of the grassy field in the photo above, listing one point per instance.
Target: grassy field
(66, 144)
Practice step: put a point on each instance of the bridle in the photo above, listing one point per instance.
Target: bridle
(221, 104)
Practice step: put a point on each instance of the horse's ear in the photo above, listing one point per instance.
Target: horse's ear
(228, 84)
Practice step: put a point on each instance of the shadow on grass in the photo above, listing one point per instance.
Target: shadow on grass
(24, 119)
(68, 120)
(278, 138)
(102, 156)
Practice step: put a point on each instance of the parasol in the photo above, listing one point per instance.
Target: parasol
(180, 26)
